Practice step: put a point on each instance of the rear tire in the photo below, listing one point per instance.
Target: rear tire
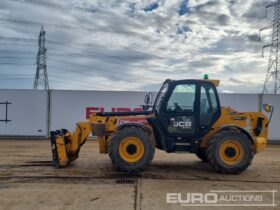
(201, 154)
(230, 152)
(131, 149)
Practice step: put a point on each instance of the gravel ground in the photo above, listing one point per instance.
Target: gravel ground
(28, 180)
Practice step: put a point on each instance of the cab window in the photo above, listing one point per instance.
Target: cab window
(208, 104)
(182, 99)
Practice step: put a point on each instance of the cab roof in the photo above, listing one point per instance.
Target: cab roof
(214, 81)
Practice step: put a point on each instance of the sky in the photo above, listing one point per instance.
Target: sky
(135, 45)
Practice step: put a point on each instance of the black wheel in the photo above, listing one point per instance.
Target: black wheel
(201, 154)
(230, 152)
(131, 149)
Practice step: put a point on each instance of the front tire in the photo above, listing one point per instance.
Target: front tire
(230, 152)
(131, 149)
(201, 154)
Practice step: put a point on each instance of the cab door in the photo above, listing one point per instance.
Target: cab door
(190, 109)
(179, 116)
(210, 110)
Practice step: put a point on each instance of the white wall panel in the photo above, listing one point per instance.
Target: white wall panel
(240, 102)
(69, 107)
(27, 112)
(274, 126)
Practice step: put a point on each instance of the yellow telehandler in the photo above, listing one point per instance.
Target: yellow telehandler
(186, 116)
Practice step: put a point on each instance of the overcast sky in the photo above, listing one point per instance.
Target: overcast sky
(135, 45)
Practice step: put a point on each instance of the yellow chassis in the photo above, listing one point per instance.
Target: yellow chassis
(66, 145)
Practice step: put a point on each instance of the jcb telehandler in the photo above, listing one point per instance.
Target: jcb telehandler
(186, 116)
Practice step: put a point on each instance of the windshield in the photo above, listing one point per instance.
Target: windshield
(160, 95)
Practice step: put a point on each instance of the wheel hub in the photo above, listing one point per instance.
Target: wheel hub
(231, 152)
(131, 149)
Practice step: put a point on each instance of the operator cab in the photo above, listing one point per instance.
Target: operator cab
(185, 111)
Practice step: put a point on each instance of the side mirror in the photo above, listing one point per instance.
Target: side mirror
(148, 99)
(267, 107)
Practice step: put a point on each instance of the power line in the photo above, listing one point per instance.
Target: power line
(68, 43)
(99, 69)
(20, 39)
(17, 39)
(19, 78)
(21, 44)
(102, 56)
(15, 64)
(92, 56)
(34, 23)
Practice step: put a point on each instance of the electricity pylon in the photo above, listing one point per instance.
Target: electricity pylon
(41, 77)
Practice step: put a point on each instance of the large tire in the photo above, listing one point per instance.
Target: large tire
(201, 154)
(131, 149)
(230, 152)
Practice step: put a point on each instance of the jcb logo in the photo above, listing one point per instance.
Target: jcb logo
(182, 124)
